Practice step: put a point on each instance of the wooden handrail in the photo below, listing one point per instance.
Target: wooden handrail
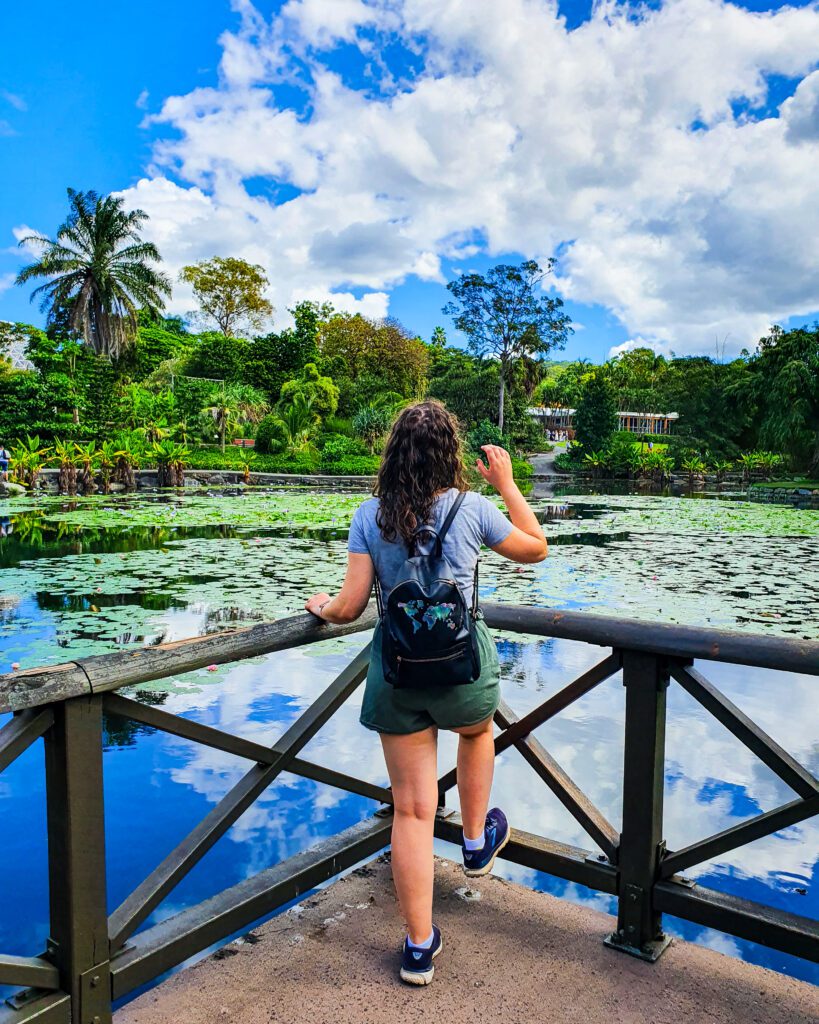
(37, 686)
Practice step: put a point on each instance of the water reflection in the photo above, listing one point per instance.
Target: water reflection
(80, 591)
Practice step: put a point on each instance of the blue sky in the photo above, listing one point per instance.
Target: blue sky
(72, 113)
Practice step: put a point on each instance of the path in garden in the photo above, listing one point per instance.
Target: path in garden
(543, 463)
(511, 955)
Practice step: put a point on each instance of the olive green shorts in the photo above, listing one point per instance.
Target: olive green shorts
(386, 709)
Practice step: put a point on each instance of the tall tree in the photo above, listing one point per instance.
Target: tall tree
(505, 315)
(786, 385)
(380, 355)
(596, 417)
(98, 271)
(230, 293)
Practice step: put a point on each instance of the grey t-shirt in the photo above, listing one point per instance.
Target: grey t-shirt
(477, 522)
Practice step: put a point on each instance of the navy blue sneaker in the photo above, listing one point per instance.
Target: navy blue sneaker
(496, 835)
(416, 964)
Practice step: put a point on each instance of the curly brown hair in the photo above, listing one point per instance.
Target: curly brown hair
(423, 456)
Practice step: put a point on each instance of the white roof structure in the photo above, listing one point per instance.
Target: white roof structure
(15, 350)
(562, 410)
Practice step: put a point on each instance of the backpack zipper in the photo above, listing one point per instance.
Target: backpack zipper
(445, 657)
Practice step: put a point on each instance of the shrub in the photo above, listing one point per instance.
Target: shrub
(337, 448)
(522, 469)
(302, 464)
(339, 425)
(321, 393)
(529, 436)
(371, 422)
(486, 433)
(564, 463)
(355, 465)
(270, 436)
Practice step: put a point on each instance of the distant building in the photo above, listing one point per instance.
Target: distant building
(13, 346)
(560, 420)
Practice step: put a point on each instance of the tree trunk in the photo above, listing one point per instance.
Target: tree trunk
(501, 396)
(222, 436)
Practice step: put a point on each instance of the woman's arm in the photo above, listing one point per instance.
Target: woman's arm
(355, 592)
(526, 542)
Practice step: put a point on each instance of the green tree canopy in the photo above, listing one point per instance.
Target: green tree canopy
(98, 272)
(785, 382)
(596, 418)
(502, 314)
(376, 353)
(275, 358)
(219, 356)
(230, 293)
(157, 340)
(320, 393)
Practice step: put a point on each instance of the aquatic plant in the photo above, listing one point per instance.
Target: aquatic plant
(107, 457)
(28, 456)
(721, 467)
(695, 467)
(68, 461)
(598, 461)
(171, 459)
(129, 452)
(246, 464)
(87, 460)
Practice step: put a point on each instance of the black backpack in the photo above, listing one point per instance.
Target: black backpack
(427, 630)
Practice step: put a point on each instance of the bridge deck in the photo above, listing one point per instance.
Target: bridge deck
(513, 955)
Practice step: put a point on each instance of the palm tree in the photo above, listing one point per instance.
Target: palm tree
(299, 423)
(98, 271)
(235, 405)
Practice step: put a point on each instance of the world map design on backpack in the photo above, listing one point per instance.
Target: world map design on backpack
(428, 635)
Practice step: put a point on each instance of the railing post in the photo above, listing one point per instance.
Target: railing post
(76, 858)
(639, 926)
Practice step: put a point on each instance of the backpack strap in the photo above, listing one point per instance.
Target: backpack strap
(456, 504)
(437, 535)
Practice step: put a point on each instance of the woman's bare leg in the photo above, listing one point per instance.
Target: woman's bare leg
(476, 767)
(412, 763)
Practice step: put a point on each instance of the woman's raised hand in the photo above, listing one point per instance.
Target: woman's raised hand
(498, 472)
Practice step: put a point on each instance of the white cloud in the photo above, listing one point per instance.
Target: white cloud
(16, 101)
(142, 100)
(617, 140)
(6, 282)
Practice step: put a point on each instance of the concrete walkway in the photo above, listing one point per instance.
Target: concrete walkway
(543, 464)
(512, 956)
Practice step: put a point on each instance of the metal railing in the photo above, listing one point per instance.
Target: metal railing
(94, 957)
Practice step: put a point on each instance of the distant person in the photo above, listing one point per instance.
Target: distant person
(421, 484)
(651, 446)
(5, 458)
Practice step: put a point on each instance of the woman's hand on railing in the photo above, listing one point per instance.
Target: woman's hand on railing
(316, 604)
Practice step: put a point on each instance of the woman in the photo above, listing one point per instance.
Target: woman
(420, 478)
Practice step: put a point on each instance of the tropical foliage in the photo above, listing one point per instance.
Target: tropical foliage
(506, 314)
(98, 272)
(114, 384)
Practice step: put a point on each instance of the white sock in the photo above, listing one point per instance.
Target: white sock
(422, 945)
(474, 844)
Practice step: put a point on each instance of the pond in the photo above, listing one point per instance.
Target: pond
(103, 573)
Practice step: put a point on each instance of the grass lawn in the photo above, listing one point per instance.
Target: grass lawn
(658, 447)
(789, 485)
